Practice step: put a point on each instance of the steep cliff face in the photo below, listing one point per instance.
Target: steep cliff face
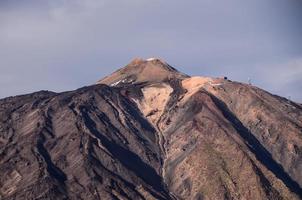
(150, 132)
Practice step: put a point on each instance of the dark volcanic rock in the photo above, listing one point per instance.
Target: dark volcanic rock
(151, 133)
(88, 144)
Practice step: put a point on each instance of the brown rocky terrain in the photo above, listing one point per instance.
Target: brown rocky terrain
(150, 132)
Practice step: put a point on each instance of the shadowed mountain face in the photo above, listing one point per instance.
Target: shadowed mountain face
(150, 132)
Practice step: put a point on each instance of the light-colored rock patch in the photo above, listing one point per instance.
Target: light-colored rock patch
(194, 84)
(154, 101)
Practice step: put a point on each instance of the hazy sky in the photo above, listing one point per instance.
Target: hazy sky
(65, 44)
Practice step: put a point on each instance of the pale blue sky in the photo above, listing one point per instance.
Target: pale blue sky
(62, 45)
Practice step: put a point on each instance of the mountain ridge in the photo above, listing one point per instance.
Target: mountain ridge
(148, 131)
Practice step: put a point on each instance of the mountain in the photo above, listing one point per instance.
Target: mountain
(148, 131)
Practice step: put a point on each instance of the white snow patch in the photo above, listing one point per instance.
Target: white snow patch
(122, 81)
(151, 59)
(116, 83)
(215, 84)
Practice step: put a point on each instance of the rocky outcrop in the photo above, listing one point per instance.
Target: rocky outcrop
(150, 132)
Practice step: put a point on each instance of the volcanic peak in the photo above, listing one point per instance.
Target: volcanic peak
(151, 70)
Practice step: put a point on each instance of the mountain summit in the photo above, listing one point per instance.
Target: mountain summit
(140, 71)
(148, 131)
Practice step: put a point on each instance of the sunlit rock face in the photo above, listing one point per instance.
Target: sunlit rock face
(148, 131)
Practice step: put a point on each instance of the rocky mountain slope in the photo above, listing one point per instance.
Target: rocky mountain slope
(150, 132)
